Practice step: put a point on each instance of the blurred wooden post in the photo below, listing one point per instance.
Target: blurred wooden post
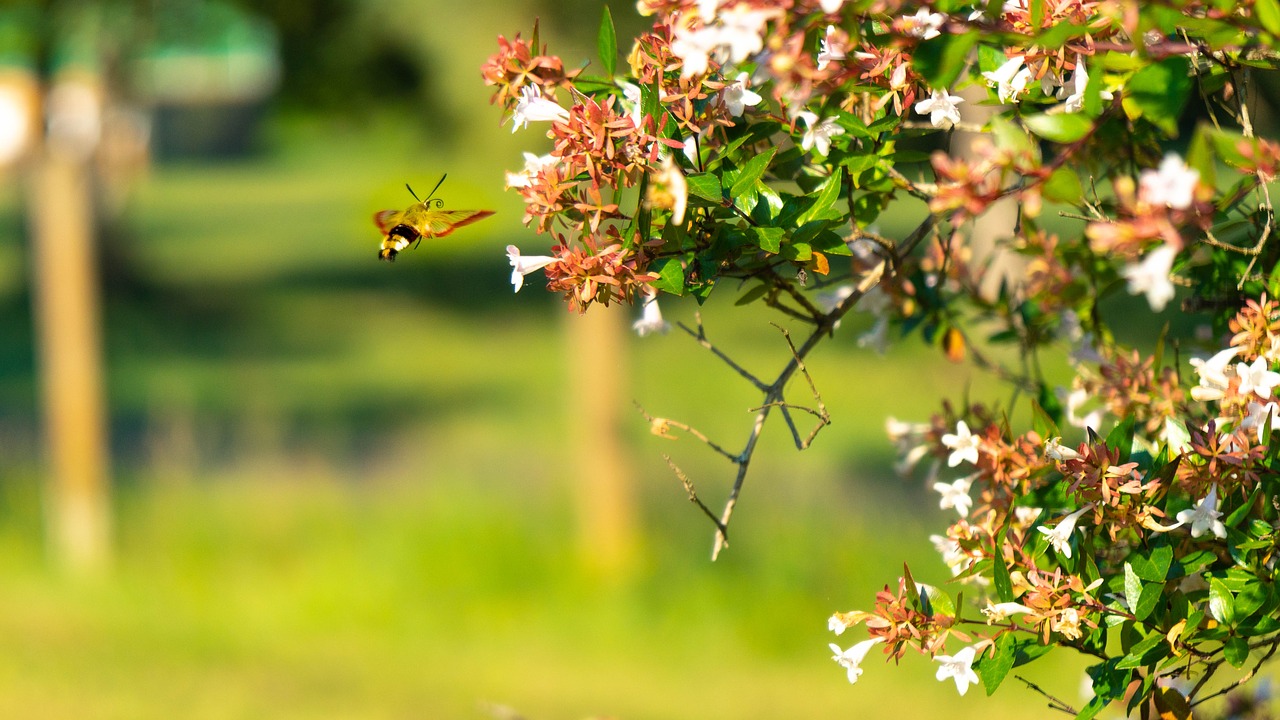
(1001, 219)
(599, 402)
(68, 336)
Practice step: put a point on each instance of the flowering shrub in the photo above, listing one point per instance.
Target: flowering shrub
(754, 143)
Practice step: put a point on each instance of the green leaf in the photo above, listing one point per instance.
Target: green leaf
(1154, 565)
(1063, 186)
(607, 42)
(1192, 563)
(1268, 14)
(1000, 576)
(940, 60)
(1236, 651)
(993, 670)
(1061, 128)
(1121, 438)
(938, 602)
(1239, 513)
(705, 186)
(828, 193)
(1159, 91)
(1221, 604)
(1176, 433)
(1147, 651)
(1009, 136)
(768, 239)
(829, 243)
(1132, 587)
(651, 99)
(797, 251)
(751, 173)
(670, 273)
(1109, 683)
(1251, 599)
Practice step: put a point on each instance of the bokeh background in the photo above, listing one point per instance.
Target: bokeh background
(340, 488)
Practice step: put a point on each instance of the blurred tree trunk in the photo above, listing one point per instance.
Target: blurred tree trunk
(604, 486)
(68, 338)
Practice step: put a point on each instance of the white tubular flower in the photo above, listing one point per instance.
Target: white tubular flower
(952, 555)
(533, 106)
(650, 318)
(1173, 184)
(964, 445)
(924, 24)
(836, 625)
(533, 164)
(852, 658)
(1264, 417)
(956, 495)
(522, 265)
(959, 667)
(830, 7)
(942, 108)
(1213, 374)
(1204, 516)
(632, 99)
(738, 97)
(829, 51)
(819, 133)
(1060, 535)
(1055, 450)
(1152, 276)
(670, 190)
(1010, 79)
(694, 48)
(1257, 378)
(742, 31)
(1080, 81)
(1002, 611)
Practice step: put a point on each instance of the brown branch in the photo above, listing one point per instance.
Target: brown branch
(722, 531)
(1275, 644)
(1054, 703)
(701, 337)
(659, 426)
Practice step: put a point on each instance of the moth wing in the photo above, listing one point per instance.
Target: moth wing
(387, 219)
(439, 223)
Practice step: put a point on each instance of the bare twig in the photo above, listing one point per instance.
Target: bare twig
(1054, 703)
(774, 392)
(1274, 643)
(701, 337)
(664, 423)
(722, 531)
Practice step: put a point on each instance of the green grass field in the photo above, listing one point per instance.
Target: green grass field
(373, 511)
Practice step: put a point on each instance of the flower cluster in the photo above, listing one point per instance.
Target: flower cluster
(766, 147)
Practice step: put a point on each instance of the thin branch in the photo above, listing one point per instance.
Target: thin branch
(1275, 644)
(701, 337)
(659, 426)
(722, 532)
(1054, 703)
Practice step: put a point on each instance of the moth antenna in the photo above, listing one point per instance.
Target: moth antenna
(437, 187)
(411, 192)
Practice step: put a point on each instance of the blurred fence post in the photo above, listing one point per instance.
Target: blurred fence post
(603, 488)
(65, 291)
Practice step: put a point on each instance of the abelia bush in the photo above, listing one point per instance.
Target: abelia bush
(761, 146)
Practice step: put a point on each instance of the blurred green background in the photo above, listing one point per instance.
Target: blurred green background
(347, 489)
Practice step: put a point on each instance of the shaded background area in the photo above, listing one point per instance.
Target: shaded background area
(342, 488)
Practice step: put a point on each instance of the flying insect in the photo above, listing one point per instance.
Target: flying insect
(424, 219)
